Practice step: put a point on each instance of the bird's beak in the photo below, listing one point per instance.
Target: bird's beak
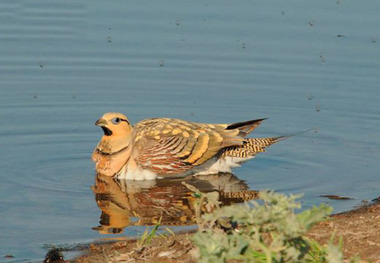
(100, 122)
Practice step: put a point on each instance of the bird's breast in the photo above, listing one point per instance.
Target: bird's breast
(110, 164)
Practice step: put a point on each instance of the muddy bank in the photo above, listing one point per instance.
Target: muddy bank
(360, 230)
(176, 248)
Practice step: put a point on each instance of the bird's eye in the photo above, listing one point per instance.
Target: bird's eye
(116, 120)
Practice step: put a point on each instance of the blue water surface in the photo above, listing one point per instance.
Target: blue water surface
(303, 64)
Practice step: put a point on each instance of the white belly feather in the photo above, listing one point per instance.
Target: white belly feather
(222, 165)
(136, 173)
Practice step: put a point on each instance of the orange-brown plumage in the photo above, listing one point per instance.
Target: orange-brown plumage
(172, 147)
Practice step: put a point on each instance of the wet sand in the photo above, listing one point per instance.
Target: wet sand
(359, 229)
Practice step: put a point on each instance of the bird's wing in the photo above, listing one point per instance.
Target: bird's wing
(171, 146)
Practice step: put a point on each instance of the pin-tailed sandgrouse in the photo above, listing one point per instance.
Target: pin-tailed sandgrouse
(163, 147)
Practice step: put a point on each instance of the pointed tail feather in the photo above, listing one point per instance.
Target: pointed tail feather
(245, 127)
(251, 147)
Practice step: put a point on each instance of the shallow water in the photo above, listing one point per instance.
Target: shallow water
(168, 202)
(310, 64)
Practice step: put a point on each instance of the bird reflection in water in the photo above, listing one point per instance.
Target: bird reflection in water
(129, 203)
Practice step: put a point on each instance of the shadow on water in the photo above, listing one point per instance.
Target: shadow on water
(125, 203)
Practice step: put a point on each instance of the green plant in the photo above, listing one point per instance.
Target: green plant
(147, 236)
(271, 232)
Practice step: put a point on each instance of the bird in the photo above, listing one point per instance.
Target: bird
(168, 147)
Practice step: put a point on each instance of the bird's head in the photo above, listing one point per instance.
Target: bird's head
(114, 124)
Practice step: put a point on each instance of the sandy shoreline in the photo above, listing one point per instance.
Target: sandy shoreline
(359, 228)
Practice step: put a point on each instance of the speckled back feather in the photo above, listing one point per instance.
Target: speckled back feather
(169, 146)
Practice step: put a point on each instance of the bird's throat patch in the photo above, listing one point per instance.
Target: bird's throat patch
(106, 131)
